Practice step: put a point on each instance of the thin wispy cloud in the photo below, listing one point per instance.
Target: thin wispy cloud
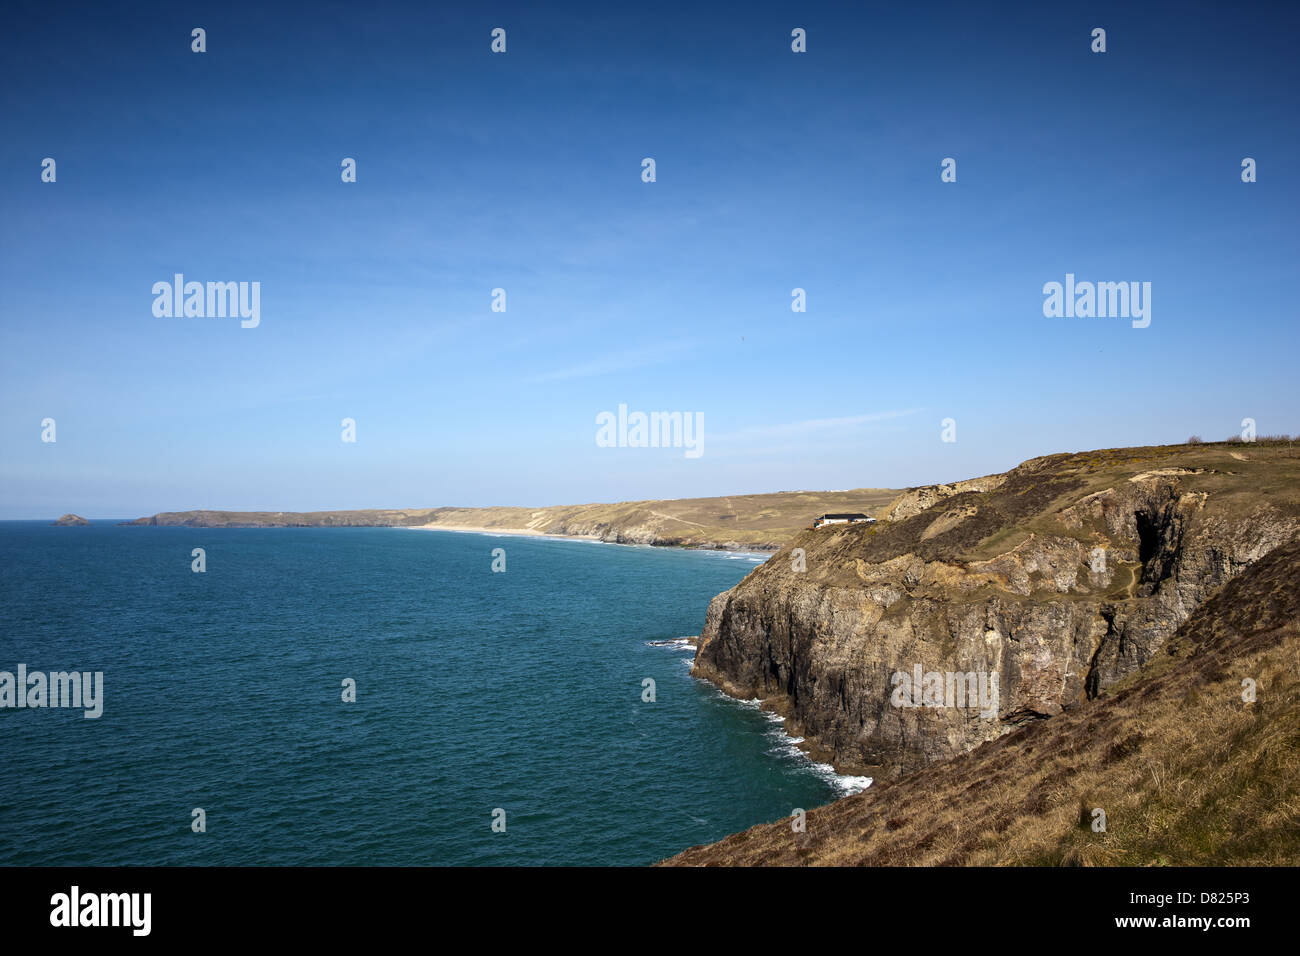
(812, 425)
(615, 362)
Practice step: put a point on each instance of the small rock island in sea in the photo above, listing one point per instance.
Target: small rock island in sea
(71, 521)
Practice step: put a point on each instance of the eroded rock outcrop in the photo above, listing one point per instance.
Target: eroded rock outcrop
(1060, 577)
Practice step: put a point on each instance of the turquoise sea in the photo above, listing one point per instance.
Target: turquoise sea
(475, 691)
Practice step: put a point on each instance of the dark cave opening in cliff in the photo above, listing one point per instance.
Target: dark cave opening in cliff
(1148, 539)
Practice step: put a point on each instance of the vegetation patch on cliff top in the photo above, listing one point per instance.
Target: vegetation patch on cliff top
(1029, 500)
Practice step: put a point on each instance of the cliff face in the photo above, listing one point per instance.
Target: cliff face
(1056, 580)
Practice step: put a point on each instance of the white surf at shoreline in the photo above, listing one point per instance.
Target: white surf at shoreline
(847, 784)
(755, 557)
(785, 744)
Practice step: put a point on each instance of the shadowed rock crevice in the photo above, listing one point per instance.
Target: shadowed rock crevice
(1159, 531)
(1110, 641)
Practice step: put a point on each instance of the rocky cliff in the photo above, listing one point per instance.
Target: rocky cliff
(1053, 581)
(1193, 761)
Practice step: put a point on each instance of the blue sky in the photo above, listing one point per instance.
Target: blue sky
(522, 171)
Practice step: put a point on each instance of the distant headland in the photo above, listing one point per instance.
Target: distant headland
(757, 522)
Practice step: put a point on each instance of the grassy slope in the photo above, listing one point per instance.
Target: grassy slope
(766, 520)
(1185, 770)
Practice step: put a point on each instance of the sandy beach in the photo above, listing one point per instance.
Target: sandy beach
(518, 532)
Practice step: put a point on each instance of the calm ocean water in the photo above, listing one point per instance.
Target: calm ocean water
(475, 691)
